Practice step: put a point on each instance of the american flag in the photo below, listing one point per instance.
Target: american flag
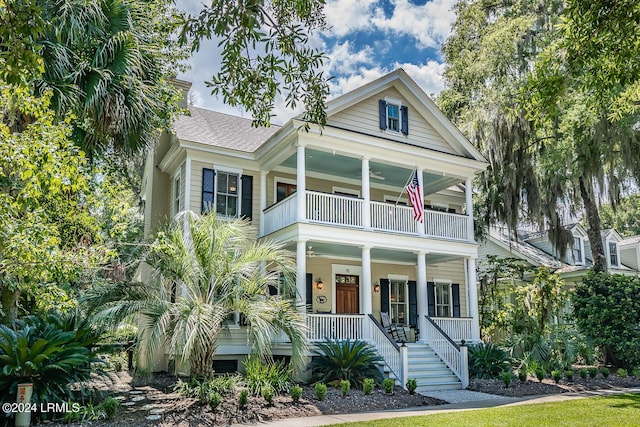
(413, 190)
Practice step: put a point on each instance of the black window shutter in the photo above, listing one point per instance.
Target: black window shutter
(309, 295)
(455, 291)
(246, 204)
(431, 299)
(382, 104)
(413, 304)
(208, 176)
(404, 112)
(384, 295)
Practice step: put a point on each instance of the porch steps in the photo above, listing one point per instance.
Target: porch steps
(430, 372)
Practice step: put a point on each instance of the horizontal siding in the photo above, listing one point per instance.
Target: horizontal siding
(454, 271)
(364, 117)
(629, 257)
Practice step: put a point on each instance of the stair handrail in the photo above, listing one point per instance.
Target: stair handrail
(383, 330)
(396, 361)
(453, 355)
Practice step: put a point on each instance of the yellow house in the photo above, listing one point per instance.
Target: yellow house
(335, 197)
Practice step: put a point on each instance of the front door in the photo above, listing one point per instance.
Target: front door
(347, 294)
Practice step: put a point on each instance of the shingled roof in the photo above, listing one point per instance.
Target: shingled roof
(221, 130)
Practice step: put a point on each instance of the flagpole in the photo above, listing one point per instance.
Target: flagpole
(405, 184)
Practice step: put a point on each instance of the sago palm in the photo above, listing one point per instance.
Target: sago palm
(215, 268)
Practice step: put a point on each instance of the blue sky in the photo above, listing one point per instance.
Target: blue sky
(365, 40)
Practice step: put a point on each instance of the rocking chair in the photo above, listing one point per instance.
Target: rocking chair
(397, 332)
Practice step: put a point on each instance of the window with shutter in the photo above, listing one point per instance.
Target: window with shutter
(394, 117)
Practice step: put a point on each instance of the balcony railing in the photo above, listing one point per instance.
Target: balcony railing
(457, 328)
(333, 209)
(334, 326)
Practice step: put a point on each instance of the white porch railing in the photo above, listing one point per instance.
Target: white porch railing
(386, 347)
(389, 217)
(457, 328)
(454, 356)
(280, 215)
(334, 326)
(347, 211)
(446, 225)
(334, 209)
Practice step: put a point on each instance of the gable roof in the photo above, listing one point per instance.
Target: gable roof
(633, 240)
(221, 130)
(401, 81)
(524, 250)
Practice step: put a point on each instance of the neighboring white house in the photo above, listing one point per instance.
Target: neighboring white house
(335, 198)
(537, 250)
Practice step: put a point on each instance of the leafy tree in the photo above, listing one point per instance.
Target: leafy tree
(46, 228)
(554, 137)
(488, 63)
(607, 309)
(206, 269)
(265, 51)
(497, 280)
(106, 61)
(625, 219)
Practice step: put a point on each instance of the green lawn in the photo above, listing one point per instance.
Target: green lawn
(618, 410)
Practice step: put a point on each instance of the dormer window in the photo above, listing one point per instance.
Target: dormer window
(613, 254)
(577, 251)
(394, 117)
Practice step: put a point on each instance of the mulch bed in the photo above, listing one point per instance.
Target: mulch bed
(533, 388)
(144, 397)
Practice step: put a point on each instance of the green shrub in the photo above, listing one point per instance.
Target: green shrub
(622, 373)
(345, 386)
(540, 374)
(259, 374)
(268, 392)
(321, 391)
(110, 407)
(243, 398)
(412, 385)
(388, 385)
(556, 375)
(214, 399)
(569, 375)
(593, 372)
(368, 384)
(487, 361)
(604, 371)
(506, 377)
(201, 389)
(351, 360)
(522, 375)
(583, 373)
(51, 352)
(636, 372)
(608, 299)
(296, 393)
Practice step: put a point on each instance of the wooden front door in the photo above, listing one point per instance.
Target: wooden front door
(347, 294)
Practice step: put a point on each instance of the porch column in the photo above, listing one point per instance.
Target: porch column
(468, 192)
(301, 196)
(421, 294)
(301, 276)
(366, 305)
(472, 283)
(422, 227)
(366, 205)
(263, 199)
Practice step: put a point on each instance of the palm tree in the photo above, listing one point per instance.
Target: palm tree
(206, 269)
(105, 62)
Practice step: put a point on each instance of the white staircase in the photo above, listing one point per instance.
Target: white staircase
(429, 370)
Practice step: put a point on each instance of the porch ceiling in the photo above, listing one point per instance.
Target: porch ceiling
(341, 166)
(331, 250)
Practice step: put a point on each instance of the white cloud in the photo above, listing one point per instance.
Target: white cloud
(429, 24)
(346, 16)
(344, 60)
